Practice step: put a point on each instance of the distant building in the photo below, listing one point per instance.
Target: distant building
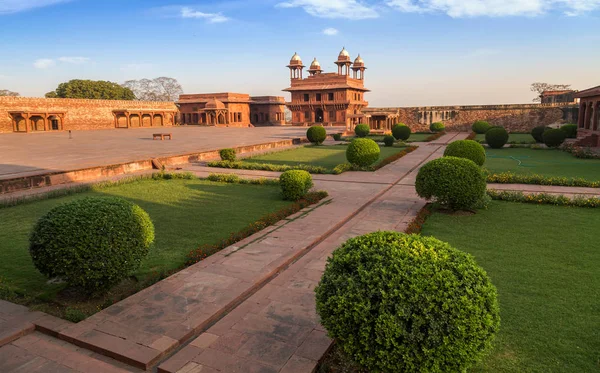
(558, 97)
(334, 99)
(589, 117)
(231, 110)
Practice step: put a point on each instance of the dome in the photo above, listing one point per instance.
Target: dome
(359, 61)
(214, 104)
(315, 65)
(344, 55)
(296, 60)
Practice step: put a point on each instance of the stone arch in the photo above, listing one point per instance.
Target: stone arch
(146, 120)
(221, 118)
(122, 121)
(54, 123)
(158, 120)
(37, 123)
(20, 124)
(134, 120)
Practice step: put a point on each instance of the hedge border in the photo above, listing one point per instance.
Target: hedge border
(339, 169)
(512, 178)
(545, 199)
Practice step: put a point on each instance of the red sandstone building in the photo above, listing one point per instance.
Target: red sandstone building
(231, 110)
(558, 97)
(334, 99)
(589, 117)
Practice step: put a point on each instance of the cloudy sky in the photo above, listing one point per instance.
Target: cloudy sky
(418, 52)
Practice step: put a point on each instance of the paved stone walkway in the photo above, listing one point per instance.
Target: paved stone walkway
(248, 308)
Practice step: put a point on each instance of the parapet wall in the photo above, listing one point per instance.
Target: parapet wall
(80, 114)
(515, 118)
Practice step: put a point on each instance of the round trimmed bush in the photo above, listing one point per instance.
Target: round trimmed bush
(401, 132)
(456, 183)
(363, 152)
(227, 154)
(496, 137)
(468, 149)
(295, 184)
(362, 130)
(337, 136)
(481, 127)
(316, 134)
(389, 140)
(407, 303)
(91, 243)
(437, 127)
(570, 130)
(538, 133)
(553, 138)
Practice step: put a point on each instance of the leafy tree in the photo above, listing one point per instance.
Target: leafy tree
(159, 89)
(90, 89)
(6, 92)
(541, 87)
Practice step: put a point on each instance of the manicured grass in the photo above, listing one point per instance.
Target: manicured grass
(321, 156)
(545, 262)
(513, 138)
(186, 214)
(419, 137)
(546, 162)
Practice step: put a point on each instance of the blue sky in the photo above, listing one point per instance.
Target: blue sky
(418, 52)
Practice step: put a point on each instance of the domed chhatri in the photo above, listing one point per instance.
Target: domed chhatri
(344, 55)
(296, 60)
(315, 67)
(359, 61)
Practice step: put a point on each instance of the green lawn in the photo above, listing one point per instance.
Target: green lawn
(551, 163)
(186, 214)
(545, 262)
(513, 138)
(327, 156)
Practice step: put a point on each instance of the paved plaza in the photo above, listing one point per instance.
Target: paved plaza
(25, 154)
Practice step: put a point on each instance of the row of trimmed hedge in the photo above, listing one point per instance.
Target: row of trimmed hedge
(512, 178)
(545, 199)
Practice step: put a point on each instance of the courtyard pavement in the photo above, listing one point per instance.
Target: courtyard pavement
(26, 154)
(249, 308)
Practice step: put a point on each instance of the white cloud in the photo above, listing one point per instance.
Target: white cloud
(187, 12)
(16, 6)
(74, 60)
(495, 8)
(349, 9)
(44, 63)
(330, 31)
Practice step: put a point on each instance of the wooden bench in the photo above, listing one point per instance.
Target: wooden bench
(162, 136)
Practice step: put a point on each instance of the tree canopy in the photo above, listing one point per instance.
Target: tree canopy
(90, 89)
(542, 87)
(158, 89)
(6, 92)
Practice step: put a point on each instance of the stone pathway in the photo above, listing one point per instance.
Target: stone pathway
(248, 308)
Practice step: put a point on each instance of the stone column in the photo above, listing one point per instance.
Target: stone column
(594, 125)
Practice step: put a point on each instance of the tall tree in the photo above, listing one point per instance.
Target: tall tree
(6, 92)
(90, 89)
(542, 87)
(158, 89)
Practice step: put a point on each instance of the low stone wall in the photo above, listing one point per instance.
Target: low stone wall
(515, 118)
(79, 114)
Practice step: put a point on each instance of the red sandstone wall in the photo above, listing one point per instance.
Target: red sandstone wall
(80, 114)
(515, 118)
